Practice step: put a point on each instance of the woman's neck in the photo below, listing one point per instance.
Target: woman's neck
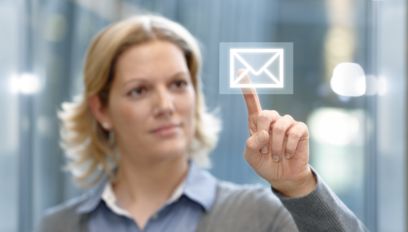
(150, 179)
(143, 187)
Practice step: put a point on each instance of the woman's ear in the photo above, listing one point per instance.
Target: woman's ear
(99, 112)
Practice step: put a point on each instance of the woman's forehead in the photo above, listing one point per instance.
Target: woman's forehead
(152, 56)
(158, 58)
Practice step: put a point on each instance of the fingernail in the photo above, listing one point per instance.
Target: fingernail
(264, 150)
(287, 156)
(275, 158)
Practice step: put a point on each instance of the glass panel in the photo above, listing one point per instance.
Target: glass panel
(391, 113)
(357, 143)
(9, 118)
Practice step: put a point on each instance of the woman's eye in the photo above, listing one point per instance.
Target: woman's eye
(137, 92)
(180, 84)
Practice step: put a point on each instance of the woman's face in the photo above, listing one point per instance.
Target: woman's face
(152, 102)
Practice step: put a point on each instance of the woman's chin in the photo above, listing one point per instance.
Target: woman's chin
(171, 151)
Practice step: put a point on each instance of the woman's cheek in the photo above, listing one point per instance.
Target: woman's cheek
(192, 122)
(127, 115)
(187, 108)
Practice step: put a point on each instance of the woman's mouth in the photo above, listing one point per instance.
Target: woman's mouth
(167, 130)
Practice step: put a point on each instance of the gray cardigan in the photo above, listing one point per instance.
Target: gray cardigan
(242, 208)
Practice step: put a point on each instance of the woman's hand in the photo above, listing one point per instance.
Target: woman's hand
(278, 149)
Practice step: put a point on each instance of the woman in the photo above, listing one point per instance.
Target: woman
(140, 134)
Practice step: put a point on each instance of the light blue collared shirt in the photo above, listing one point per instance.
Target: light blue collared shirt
(181, 214)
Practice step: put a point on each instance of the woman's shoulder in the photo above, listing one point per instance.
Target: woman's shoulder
(63, 217)
(69, 205)
(249, 196)
(245, 208)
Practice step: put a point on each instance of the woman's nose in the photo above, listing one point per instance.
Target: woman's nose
(164, 105)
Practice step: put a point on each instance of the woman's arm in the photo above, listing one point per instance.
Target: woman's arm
(278, 151)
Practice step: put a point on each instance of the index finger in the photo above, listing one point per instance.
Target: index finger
(252, 101)
(251, 97)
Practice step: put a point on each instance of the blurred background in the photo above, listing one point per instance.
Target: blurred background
(358, 144)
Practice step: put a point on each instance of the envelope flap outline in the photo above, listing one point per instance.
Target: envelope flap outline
(260, 70)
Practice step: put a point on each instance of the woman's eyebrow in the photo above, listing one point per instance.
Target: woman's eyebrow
(146, 80)
(180, 74)
(135, 79)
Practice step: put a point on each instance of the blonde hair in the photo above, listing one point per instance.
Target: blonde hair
(88, 148)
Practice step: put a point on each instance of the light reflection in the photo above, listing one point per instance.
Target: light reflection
(348, 80)
(337, 138)
(381, 85)
(26, 83)
(335, 126)
(339, 168)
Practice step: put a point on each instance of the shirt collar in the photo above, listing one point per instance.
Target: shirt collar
(199, 186)
(92, 197)
(110, 200)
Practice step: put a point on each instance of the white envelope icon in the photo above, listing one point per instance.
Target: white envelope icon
(271, 80)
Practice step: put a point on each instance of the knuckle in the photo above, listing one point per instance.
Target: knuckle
(302, 129)
(279, 129)
(274, 114)
(261, 138)
(290, 150)
(276, 151)
(263, 135)
(288, 117)
(295, 135)
(303, 126)
(250, 144)
(262, 117)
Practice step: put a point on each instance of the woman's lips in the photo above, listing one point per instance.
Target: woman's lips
(166, 130)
